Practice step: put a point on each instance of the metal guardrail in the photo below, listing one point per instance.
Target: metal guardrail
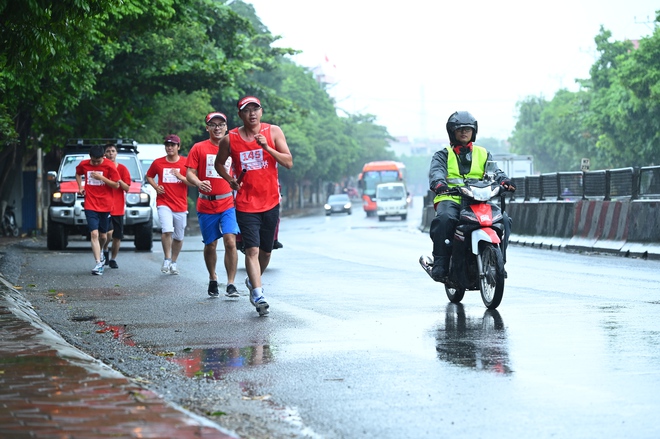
(622, 183)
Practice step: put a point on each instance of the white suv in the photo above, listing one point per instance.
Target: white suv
(66, 215)
(147, 153)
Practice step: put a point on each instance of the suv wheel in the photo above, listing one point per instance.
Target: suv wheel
(56, 238)
(144, 236)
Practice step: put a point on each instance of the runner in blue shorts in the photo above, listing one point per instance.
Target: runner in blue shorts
(215, 204)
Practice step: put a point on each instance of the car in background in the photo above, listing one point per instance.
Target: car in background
(66, 212)
(338, 203)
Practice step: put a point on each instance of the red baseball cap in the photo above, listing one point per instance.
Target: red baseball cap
(215, 114)
(173, 138)
(248, 100)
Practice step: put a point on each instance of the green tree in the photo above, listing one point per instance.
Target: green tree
(37, 81)
(176, 113)
(145, 69)
(614, 119)
(638, 73)
(613, 106)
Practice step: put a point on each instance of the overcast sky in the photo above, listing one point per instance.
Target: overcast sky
(413, 63)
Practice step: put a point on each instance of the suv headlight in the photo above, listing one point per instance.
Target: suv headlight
(66, 198)
(135, 199)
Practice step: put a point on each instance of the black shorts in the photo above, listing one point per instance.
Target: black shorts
(258, 229)
(117, 226)
(97, 221)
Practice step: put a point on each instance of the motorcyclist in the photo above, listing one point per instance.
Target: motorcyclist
(449, 166)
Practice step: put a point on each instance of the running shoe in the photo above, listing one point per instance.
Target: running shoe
(113, 264)
(249, 286)
(173, 269)
(98, 269)
(231, 291)
(213, 288)
(260, 305)
(166, 266)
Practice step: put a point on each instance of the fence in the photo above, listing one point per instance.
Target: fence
(614, 210)
(610, 184)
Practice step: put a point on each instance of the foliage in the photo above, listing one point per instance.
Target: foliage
(179, 113)
(613, 119)
(83, 68)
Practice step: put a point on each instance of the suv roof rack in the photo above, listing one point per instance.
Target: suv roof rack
(84, 144)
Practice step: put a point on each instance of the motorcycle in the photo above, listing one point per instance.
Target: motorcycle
(9, 226)
(476, 262)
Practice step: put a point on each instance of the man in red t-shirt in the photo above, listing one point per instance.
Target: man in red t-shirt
(215, 204)
(100, 179)
(171, 199)
(116, 226)
(256, 148)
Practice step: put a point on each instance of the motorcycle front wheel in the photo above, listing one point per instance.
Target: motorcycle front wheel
(491, 281)
(13, 228)
(454, 294)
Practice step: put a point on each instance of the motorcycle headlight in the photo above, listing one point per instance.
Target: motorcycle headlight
(134, 199)
(481, 193)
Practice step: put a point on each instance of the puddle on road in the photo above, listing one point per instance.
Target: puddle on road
(214, 363)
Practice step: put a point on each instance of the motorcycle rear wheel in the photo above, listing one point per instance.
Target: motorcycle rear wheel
(491, 282)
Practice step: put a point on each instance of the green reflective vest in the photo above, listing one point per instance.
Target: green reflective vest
(454, 177)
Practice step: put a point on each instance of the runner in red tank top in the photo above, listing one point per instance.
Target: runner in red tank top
(256, 150)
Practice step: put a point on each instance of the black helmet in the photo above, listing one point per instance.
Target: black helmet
(458, 120)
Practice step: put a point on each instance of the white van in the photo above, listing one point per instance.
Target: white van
(147, 153)
(391, 200)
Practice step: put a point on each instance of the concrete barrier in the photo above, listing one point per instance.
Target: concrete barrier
(427, 216)
(600, 225)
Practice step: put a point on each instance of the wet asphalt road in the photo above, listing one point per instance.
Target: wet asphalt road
(361, 343)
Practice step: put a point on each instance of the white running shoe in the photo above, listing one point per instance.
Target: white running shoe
(261, 305)
(173, 269)
(166, 266)
(98, 269)
(249, 286)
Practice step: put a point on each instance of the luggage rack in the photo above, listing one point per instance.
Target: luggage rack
(85, 144)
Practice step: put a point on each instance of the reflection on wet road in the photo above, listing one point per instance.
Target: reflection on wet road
(475, 343)
(216, 362)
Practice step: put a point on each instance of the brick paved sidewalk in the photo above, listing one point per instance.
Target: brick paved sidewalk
(49, 389)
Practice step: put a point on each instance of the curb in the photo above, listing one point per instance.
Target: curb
(57, 390)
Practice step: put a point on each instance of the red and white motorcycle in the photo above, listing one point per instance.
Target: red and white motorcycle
(476, 261)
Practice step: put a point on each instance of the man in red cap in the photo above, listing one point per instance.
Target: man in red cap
(215, 204)
(171, 200)
(256, 149)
